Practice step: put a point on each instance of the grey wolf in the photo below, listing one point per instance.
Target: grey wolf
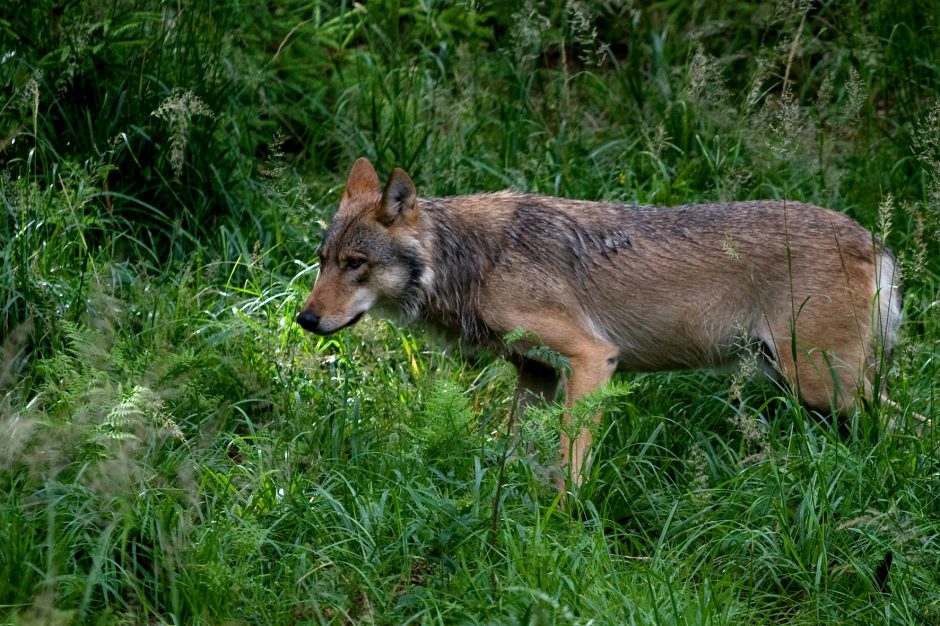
(614, 287)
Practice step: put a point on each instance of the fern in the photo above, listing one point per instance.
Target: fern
(137, 409)
(542, 424)
(84, 343)
(442, 426)
(536, 350)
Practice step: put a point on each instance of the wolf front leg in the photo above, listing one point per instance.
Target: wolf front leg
(592, 365)
(592, 362)
(537, 383)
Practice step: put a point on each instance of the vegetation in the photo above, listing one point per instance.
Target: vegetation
(176, 450)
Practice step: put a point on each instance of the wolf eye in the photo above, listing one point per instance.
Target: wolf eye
(354, 263)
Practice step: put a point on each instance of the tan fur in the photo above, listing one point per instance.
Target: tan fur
(616, 287)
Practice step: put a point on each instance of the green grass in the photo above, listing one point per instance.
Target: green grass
(176, 450)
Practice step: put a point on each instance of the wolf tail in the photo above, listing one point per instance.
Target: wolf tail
(889, 301)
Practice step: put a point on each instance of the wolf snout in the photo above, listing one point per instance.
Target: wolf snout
(309, 320)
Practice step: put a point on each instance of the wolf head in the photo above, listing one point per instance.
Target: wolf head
(371, 255)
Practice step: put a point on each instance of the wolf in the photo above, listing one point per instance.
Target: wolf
(611, 287)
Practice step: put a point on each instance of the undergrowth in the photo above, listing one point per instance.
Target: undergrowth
(176, 450)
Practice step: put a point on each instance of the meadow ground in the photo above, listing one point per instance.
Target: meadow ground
(176, 450)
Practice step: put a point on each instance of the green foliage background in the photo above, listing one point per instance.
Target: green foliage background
(176, 450)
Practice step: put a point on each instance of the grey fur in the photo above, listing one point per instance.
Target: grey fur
(617, 286)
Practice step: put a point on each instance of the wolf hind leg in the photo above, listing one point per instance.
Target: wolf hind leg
(828, 376)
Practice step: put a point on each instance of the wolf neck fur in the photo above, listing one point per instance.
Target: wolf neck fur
(449, 299)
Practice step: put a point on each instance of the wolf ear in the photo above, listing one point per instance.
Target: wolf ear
(362, 179)
(398, 199)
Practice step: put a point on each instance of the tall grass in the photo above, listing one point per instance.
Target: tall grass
(176, 450)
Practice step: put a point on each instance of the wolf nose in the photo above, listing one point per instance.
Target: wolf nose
(308, 320)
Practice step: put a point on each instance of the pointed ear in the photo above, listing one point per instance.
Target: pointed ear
(362, 179)
(398, 199)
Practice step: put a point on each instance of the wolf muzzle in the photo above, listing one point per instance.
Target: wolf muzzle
(309, 321)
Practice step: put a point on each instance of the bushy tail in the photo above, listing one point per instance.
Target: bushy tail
(888, 312)
(889, 296)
